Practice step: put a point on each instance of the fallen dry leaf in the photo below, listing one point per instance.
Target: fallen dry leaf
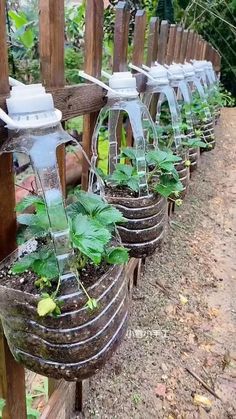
(202, 401)
(183, 299)
(213, 312)
(160, 390)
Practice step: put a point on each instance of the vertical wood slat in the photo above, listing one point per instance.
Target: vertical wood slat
(207, 51)
(121, 35)
(195, 45)
(93, 63)
(12, 377)
(183, 47)
(178, 41)
(152, 41)
(202, 48)
(162, 42)
(189, 49)
(211, 53)
(51, 51)
(121, 38)
(139, 37)
(171, 44)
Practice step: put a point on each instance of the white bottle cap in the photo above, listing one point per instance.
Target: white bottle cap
(29, 99)
(199, 66)
(175, 72)
(188, 70)
(159, 73)
(123, 82)
(29, 106)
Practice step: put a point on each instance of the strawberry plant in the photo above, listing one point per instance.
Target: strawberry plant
(92, 225)
(162, 176)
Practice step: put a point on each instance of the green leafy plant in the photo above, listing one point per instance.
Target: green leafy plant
(32, 413)
(92, 224)
(162, 176)
(136, 398)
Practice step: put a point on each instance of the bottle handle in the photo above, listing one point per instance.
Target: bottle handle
(106, 74)
(101, 84)
(140, 70)
(14, 82)
(95, 80)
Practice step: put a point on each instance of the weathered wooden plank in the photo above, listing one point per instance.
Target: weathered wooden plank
(92, 66)
(121, 34)
(183, 48)
(61, 403)
(51, 42)
(121, 37)
(162, 43)
(178, 40)
(152, 47)
(189, 49)
(12, 377)
(171, 44)
(194, 46)
(139, 38)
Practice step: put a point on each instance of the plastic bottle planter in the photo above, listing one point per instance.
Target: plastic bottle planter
(158, 85)
(207, 134)
(196, 87)
(178, 81)
(78, 342)
(146, 213)
(212, 84)
(145, 228)
(206, 127)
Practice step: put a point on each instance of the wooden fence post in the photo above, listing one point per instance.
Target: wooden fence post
(171, 44)
(121, 35)
(183, 47)
(162, 43)
(178, 42)
(12, 376)
(120, 54)
(139, 38)
(92, 66)
(189, 48)
(152, 47)
(195, 46)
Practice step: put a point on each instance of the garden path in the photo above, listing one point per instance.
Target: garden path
(183, 312)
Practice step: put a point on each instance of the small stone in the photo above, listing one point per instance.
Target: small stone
(164, 367)
(22, 280)
(160, 390)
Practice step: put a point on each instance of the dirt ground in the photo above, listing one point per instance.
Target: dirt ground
(183, 312)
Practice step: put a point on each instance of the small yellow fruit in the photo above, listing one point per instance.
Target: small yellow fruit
(187, 163)
(178, 202)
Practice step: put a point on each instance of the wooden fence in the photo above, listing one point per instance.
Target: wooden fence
(162, 42)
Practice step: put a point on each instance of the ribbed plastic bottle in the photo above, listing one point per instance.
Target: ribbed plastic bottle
(205, 123)
(147, 213)
(34, 129)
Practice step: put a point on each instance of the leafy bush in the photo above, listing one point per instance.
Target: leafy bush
(92, 226)
(162, 176)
